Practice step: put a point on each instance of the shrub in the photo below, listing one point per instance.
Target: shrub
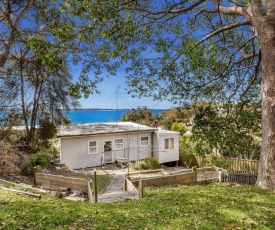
(38, 159)
(26, 168)
(41, 159)
(47, 129)
(140, 165)
(10, 161)
(186, 145)
(221, 162)
(152, 163)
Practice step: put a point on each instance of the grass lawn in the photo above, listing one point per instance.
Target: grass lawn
(102, 180)
(214, 206)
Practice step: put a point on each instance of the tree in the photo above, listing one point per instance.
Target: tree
(185, 145)
(141, 115)
(173, 115)
(40, 96)
(224, 130)
(202, 49)
(47, 130)
(51, 34)
(12, 13)
(38, 42)
(179, 127)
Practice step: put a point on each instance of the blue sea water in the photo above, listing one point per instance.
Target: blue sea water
(91, 115)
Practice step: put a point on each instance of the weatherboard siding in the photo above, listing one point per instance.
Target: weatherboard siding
(74, 153)
(74, 150)
(166, 155)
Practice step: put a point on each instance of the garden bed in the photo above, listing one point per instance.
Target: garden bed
(206, 173)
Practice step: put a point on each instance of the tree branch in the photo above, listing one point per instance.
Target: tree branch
(256, 9)
(232, 26)
(256, 70)
(170, 9)
(231, 10)
(23, 12)
(13, 29)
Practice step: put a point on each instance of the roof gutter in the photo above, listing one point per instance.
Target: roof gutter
(106, 134)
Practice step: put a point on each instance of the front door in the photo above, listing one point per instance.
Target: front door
(108, 156)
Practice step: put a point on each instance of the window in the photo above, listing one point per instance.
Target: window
(169, 143)
(92, 147)
(144, 141)
(119, 143)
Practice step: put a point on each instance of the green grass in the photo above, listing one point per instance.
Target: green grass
(214, 206)
(102, 180)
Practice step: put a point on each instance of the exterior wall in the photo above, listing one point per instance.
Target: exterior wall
(156, 145)
(136, 151)
(74, 150)
(166, 155)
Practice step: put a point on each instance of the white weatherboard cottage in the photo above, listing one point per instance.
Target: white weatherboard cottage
(95, 144)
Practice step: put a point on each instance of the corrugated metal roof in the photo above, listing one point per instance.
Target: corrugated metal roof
(101, 128)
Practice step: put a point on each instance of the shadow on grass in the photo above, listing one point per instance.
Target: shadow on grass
(213, 206)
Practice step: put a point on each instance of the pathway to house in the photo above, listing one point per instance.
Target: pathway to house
(114, 190)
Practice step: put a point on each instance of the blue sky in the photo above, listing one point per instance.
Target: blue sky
(109, 99)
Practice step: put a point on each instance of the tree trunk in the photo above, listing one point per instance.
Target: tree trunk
(22, 88)
(266, 173)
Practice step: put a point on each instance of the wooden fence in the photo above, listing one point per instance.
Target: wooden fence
(186, 178)
(238, 177)
(129, 186)
(181, 178)
(58, 181)
(233, 164)
(244, 165)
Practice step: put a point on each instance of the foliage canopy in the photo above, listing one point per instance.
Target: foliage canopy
(228, 131)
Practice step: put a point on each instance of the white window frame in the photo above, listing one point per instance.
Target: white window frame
(144, 142)
(121, 145)
(89, 147)
(171, 143)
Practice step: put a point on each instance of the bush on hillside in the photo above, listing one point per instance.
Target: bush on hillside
(152, 163)
(10, 161)
(141, 164)
(38, 159)
(149, 163)
(221, 162)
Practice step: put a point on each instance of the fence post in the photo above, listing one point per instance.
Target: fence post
(90, 191)
(194, 169)
(34, 179)
(140, 188)
(95, 186)
(36, 169)
(124, 184)
(220, 176)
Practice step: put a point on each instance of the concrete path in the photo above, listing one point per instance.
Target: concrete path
(116, 183)
(114, 190)
(117, 197)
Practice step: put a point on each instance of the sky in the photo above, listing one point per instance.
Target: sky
(113, 94)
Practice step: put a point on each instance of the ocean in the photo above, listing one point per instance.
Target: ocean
(100, 115)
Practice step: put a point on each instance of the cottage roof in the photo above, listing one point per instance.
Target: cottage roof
(101, 128)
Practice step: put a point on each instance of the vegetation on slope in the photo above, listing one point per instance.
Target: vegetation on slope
(214, 206)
